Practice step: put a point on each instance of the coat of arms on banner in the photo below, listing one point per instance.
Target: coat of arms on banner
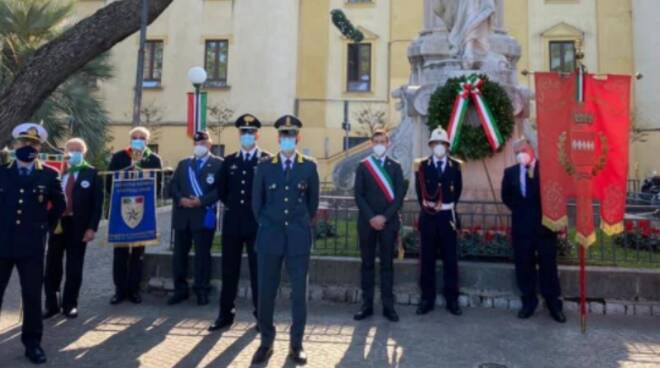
(132, 210)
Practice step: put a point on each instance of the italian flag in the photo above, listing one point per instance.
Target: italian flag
(196, 113)
(381, 176)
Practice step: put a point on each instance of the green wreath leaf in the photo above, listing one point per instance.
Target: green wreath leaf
(474, 144)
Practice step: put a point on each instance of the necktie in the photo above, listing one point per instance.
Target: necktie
(287, 164)
(68, 190)
(199, 165)
(439, 168)
(23, 171)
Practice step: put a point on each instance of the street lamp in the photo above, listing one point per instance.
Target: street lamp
(197, 76)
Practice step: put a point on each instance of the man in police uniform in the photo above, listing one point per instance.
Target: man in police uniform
(285, 197)
(379, 193)
(533, 243)
(438, 184)
(194, 192)
(31, 202)
(239, 227)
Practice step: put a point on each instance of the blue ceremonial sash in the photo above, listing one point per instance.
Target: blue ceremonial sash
(132, 218)
(209, 217)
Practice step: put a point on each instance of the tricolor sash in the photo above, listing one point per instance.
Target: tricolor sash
(209, 218)
(381, 177)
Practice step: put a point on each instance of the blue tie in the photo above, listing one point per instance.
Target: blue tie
(24, 171)
(439, 168)
(287, 163)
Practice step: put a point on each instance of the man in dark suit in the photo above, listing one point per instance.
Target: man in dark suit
(239, 227)
(31, 202)
(285, 198)
(83, 191)
(194, 192)
(128, 260)
(533, 243)
(379, 192)
(438, 184)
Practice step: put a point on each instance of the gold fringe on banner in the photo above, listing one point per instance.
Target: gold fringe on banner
(586, 241)
(555, 225)
(613, 229)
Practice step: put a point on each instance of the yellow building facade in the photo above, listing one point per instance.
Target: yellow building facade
(285, 56)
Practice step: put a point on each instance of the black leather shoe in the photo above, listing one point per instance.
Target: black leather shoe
(391, 315)
(116, 299)
(135, 298)
(71, 313)
(202, 299)
(177, 298)
(424, 308)
(36, 355)
(49, 313)
(364, 313)
(298, 356)
(525, 312)
(454, 308)
(557, 315)
(262, 355)
(221, 323)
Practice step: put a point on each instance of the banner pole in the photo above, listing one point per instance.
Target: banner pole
(583, 291)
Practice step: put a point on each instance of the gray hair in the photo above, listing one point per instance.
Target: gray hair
(140, 129)
(79, 141)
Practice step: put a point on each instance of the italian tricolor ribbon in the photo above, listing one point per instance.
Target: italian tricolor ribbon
(381, 177)
(196, 113)
(471, 90)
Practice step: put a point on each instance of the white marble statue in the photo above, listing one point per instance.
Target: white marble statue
(469, 23)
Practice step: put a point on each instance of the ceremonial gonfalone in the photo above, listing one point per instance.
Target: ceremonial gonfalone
(132, 219)
(583, 130)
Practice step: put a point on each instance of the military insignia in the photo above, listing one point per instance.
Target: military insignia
(210, 179)
(302, 186)
(32, 132)
(288, 121)
(248, 120)
(85, 184)
(132, 210)
(40, 198)
(233, 167)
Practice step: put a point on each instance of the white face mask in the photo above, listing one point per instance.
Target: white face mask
(200, 151)
(523, 158)
(379, 150)
(440, 150)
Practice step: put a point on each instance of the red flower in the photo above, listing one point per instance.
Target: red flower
(645, 226)
(629, 225)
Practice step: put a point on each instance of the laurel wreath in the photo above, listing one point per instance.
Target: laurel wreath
(474, 144)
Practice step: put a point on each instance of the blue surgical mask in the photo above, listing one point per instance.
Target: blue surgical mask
(248, 140)
(138, 144)
(75, 158)
(287, 144)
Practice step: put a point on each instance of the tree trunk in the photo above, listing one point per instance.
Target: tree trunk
(58, 59)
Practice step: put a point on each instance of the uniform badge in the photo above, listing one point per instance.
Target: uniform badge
(84, 184)
(210, 179)
(233, 167)
(302, 186)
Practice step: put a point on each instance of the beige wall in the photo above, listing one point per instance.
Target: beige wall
(278, 65)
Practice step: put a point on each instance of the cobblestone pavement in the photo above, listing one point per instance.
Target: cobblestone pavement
(155, 335)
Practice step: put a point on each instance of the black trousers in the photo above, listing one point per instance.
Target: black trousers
(183, 241)
(30, 273)
(232, 257)
(531, 251)
(437, 232)
(383, 243)
(270, 270)
(127, 266)
(59, 244)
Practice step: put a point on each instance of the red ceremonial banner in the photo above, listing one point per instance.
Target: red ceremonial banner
(583, 147)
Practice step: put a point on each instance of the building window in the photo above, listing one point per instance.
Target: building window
(215, 62)
(153, 64)
(562, 56)
(359, 67)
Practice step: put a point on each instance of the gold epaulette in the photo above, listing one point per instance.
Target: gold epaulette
(418, 162)
(459, 163)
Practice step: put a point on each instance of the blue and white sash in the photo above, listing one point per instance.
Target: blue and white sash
(209, 218)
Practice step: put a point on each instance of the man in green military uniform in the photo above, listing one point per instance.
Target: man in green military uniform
(285, 197)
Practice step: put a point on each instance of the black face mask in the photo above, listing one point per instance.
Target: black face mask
(26, 153)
